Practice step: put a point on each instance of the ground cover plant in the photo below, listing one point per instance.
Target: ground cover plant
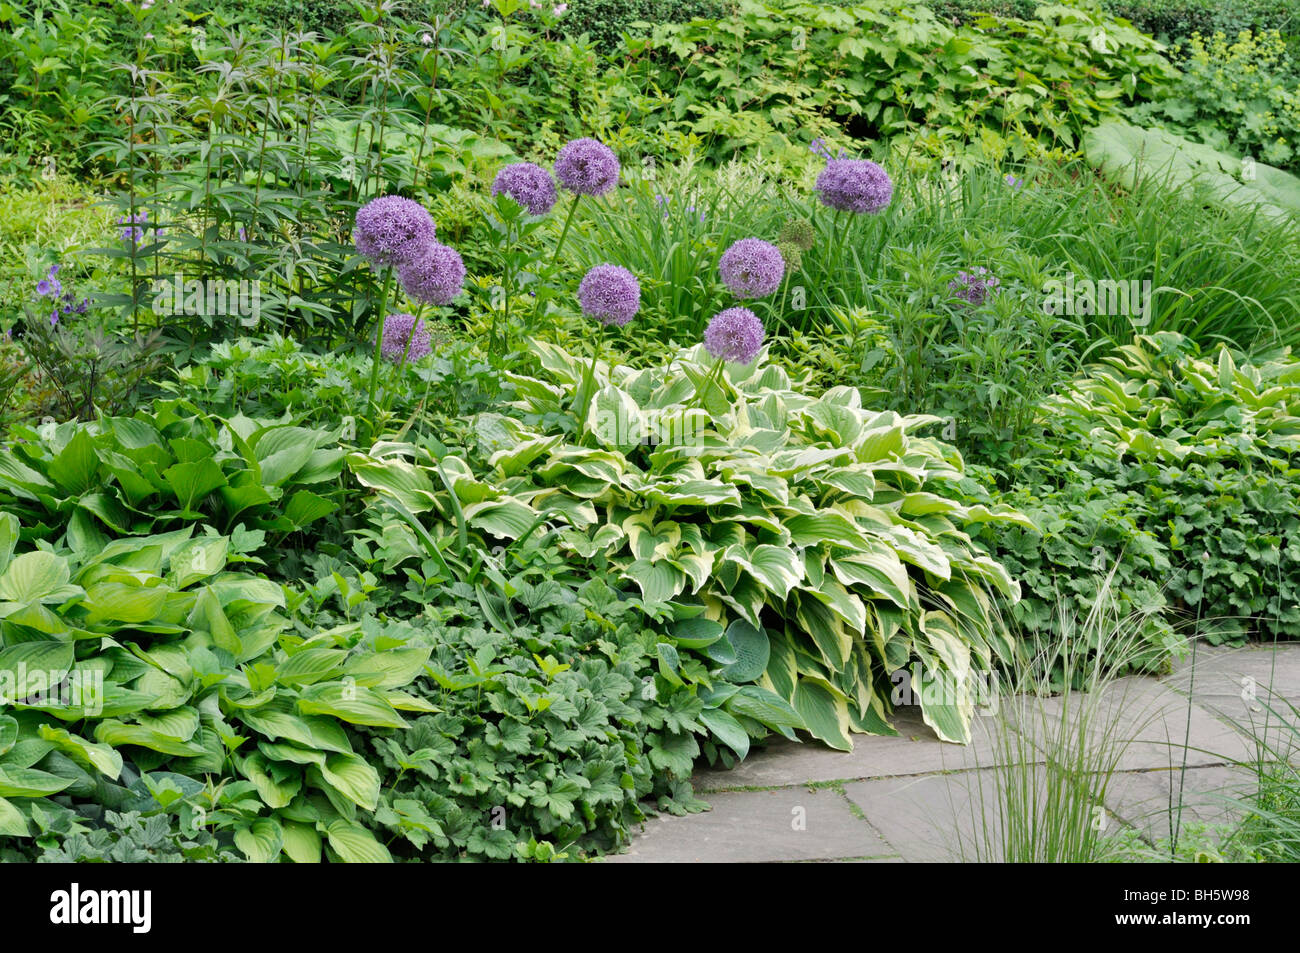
(431, 431)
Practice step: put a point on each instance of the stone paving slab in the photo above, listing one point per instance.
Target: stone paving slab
(1155, 721)
(915, 798)
(760, 826)
(916, 750)
(1149, 800)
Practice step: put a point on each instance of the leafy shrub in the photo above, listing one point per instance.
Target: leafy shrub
(1174, 20)
(823, 527)
(887, 68)
(1238, 95)
(165, 469)
(606, 20)
(1210, 445)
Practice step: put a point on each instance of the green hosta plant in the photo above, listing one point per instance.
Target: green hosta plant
(148, 677)
(126, 476)
(827, 530)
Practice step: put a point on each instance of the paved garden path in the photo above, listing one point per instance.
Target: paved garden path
(915, 798)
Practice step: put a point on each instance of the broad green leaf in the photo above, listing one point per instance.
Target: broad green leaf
(301, 842)
(12, 822)
(352, 703)
(260, 841)
(34, 577)
(351, 776)
(29, 782)
(825, 712)
(356, 845)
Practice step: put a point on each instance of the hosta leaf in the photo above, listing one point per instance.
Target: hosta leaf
(9, 529)
(301, 843)
(275, 784)
(310, 665)
(752, 651)
(8, 733)
(12, 822)
(87, 754)
(33, 577)
(355, 704)
(778, 568)
(191, 482)
(274, 723)
(32, 668)
(727, 730)
(351, 776)
(260, 841)
(508, 519)
(825, 712)
(768, 708)
(356, 845)
(393, 668)
(29, 782)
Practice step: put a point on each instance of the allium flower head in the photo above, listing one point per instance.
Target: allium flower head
(397, 330)
(751, 268)
(528, 184)
(854, 185)
(587, 167)
(734, 335)
(391, 229)
(434, 274)
(973, 287)
(610, 294)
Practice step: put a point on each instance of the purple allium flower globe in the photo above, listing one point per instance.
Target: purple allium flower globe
(528, 184)
(391, 229)
(734, 335)
(752, 268)
(610, 294)
(433, 275)
(587, 167)
(397, 328)
(973, 287)
(854, 185)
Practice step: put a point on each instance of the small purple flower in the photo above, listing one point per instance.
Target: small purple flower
(751, 268)
(734, 335)
(818, 147)
(398, 329)
(391, 229)
(610, 294)
(134, 232)
(854, 185)
(973, 287)
(1012, 181)
(433, 275)
(587, 167)
(50, 284)
(528, 184)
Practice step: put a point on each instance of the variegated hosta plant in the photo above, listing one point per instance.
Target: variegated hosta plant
(819, 533)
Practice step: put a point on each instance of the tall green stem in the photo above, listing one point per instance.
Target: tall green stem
(555, 255)
(379, 335)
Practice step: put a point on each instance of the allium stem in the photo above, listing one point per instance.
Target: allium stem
(379, 335)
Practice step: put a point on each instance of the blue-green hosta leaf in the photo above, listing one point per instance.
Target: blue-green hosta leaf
(825, 712)
(302, 844)
(355, 845)
(695, 633)
(352, 703)
(12, 822)
(352, 777)
(393, 668)
(727, 730)
(261, 841)
(752, 652)
(29, 782)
